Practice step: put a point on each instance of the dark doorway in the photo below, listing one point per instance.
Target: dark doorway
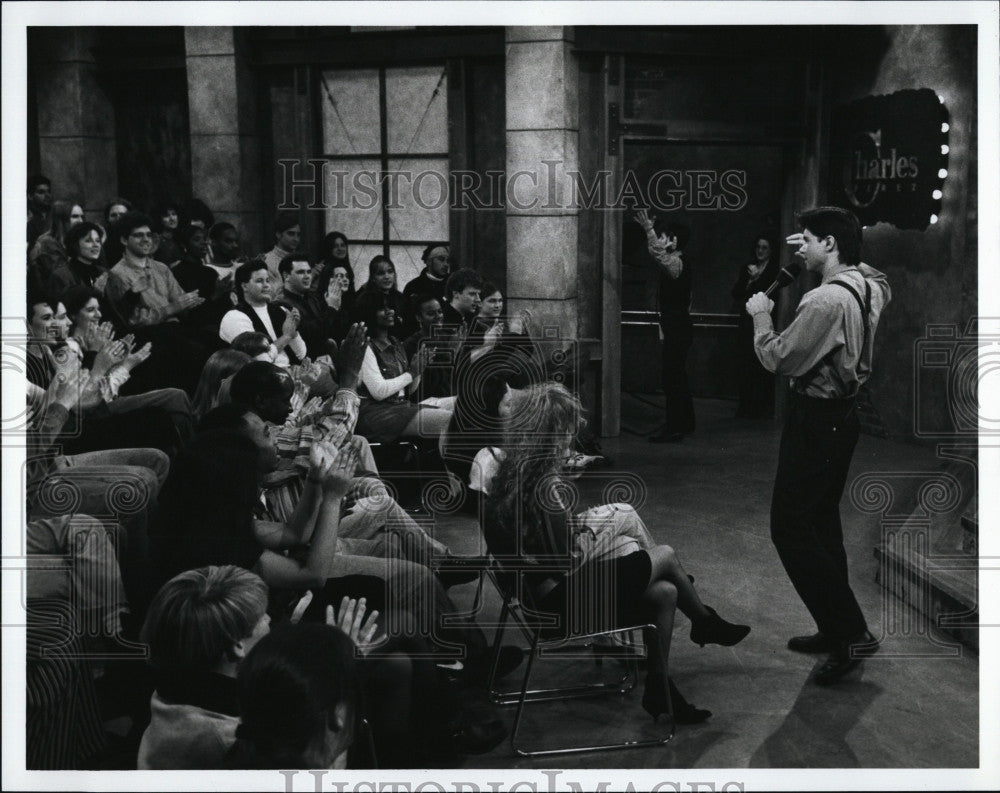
(725, 193)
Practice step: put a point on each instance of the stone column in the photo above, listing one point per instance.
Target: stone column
(225, 146)
(542, 139)
(76, 119)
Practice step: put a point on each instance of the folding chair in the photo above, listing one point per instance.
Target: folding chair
(531, 622)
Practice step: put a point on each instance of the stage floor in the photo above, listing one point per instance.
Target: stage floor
(915, 705)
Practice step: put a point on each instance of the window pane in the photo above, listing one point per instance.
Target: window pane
(422, 198)
(417, 110)
(408, 262)
(350, 111)
(343, 178)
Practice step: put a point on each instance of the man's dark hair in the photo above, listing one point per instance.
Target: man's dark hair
(218, 229)
(37, 179)
(418, 301)
(285, 265)
(76, 233)
(285, 220)
(131, 221)
(37, 298)
(230, 417)
(838, 223)
(462, 279)
(256, 380)
(672, 228)
(245, 272)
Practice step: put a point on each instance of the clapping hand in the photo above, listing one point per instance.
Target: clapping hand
(111, 354)
(136, 357)
(351, 355)
(187, 301)
(333, 466)
(334, 294)
(67, 387)
(351, 620)
(96, 336)
(290, 327)
(419, 362)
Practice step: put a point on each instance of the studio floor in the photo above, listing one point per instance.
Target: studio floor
(915, 705)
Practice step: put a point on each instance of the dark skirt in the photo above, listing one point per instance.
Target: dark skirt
(384, 421)
(601, 596)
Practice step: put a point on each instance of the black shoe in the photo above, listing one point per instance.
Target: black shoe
(663, 436)
(715, 630)
(846, 657)
(814, 643)
(654, 702)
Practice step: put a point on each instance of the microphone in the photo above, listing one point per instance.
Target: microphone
(785, 277)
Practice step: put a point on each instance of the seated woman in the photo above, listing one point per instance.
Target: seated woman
(386, 377)
(199, 628)
(526, 517)
(382, 281)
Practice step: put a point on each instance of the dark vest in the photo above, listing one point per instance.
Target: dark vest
(277, 315)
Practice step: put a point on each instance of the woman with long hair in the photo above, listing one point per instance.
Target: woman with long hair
(334, 255)
(220, 365)
(526, 516)
(166, 222)
(83, 266)
(49, 252)
(756, 384)
(382, 281)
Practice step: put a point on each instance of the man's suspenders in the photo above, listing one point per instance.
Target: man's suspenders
(865, 308)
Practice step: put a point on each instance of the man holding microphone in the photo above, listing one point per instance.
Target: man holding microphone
(827, 353)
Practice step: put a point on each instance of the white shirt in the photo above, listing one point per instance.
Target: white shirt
(236, 322)
(377, 385)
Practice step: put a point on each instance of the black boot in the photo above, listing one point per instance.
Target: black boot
(715, 630)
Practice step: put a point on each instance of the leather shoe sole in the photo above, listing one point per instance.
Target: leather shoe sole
(845, 658)
(814, 643)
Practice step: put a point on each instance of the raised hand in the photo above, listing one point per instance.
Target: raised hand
(299, 396)
(136, 357)
(520, 321)
(352, 353)
(290, 327)
(419, 362)
(66, 388)
(338, 476)
(351, 619)
(493, 335)
(111, 354)
(334, 294)
(643, 219)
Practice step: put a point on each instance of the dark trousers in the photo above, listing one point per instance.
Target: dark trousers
(816, 448)
(679, 407)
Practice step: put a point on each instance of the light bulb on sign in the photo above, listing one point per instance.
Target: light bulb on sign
(945, 127)
(934, 218)
(944, 149)
(936, 195)
(943, 173)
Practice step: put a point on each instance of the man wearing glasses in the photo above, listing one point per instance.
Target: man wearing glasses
(144, 290)
(147, 296)
(434, 276)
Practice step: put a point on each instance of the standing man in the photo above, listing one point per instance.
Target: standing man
(434, 276)
(827, 352)
(665, 245)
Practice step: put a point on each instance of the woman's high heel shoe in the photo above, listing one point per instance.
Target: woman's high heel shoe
(715, 630)
(654, 702)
